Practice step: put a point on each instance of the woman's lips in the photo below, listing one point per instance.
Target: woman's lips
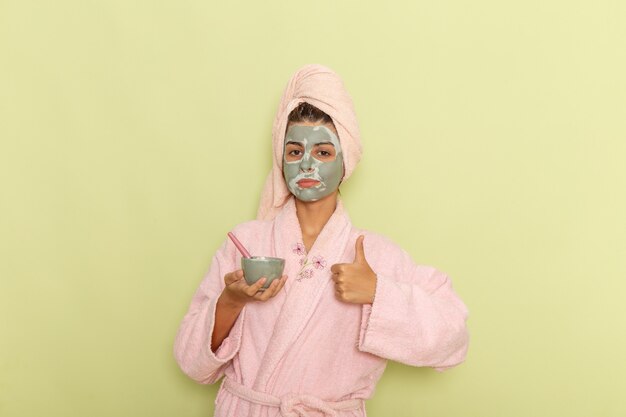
(307, 183)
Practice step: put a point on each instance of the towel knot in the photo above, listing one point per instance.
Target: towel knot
(291, 405)
(297, 406)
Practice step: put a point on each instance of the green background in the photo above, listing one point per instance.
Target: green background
(135, 134)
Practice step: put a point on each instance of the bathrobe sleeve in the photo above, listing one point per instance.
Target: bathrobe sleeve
(192, 348)
(416, 317)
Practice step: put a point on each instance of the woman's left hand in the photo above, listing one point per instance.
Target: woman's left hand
(356, 282)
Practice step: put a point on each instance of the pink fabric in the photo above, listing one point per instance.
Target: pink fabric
(294, 405)
(306, 342)
(321, 87)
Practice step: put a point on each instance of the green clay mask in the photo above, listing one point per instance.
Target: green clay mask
(310, 172)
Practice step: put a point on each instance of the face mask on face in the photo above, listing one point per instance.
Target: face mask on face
(312, 162)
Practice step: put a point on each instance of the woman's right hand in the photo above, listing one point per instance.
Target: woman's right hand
(234, 297)
(238, 292)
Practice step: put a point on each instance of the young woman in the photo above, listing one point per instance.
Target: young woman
(317, 340)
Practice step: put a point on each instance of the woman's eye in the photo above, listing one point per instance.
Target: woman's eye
(324, 153)
(295, 152)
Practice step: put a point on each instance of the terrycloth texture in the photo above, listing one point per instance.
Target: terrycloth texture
(293, 406)
(321, 87)
(304, 342)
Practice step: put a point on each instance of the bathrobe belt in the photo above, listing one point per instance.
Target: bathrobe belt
(291, 405)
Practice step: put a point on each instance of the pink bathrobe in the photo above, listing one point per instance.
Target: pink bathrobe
(305, 353)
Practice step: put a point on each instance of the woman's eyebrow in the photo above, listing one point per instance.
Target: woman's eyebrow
(324, 143)
(295, 143)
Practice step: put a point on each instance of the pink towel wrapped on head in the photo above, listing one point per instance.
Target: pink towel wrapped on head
(321, 87)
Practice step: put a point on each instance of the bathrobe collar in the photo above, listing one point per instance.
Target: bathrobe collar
(309, 274)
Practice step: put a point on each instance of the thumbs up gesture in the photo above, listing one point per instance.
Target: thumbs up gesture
(356, 282)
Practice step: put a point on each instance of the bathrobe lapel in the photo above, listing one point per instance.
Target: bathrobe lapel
(309, 274)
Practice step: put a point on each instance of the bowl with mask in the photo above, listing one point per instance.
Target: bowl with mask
(257, 267)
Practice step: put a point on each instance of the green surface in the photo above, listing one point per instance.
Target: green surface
(134, 135)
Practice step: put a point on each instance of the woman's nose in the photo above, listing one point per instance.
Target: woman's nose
(306, 165)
